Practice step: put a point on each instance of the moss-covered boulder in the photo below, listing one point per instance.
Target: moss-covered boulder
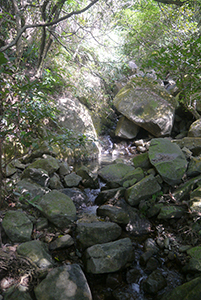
(89, 180)
(182, 192)
(38, 252)
(72, 180)
(76, 117)
(171, 212)
(89, 234)
(194, 167)
(48, 163)
(195, 200)
(39, 175)
(142, 190)
(17, 226)
(148, 105)
(108, 257)
(168, 159)
(57, 208)
(187, 291)
(191, 143)
(64, 282)
(115, 172)
(142, 161)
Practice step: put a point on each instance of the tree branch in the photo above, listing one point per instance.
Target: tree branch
(176, 2)
(24, 28)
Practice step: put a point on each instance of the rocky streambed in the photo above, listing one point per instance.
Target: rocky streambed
(131, 230)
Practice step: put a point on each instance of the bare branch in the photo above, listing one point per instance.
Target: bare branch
(42, 24)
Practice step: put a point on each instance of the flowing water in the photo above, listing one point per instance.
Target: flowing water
(103, 286)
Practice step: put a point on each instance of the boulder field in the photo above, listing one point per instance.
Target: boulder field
(140, 223)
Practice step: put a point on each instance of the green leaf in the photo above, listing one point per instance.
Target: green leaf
(3, 60)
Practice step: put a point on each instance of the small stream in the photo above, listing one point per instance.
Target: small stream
(126, 284)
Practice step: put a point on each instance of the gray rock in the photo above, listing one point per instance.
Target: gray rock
(29, 189)
(191, 143)
(17, 164)
(150, 245)
(64, 241)
(76, 117)
(17, 292)
(148, 105)
(108, 257)
(195, 129)
(187, 291)
(89, 180)
(55, 183)
(17, 226)
(10, 170)
(126, 129)
(154, 282)
(115, 172)
(58, 208)
(133, 176)
(66, 282)
(106, 195)
(115, 213)
(77, 196)
(142, 161)
(44, 148)
(194, 264)
(168, 159)
(142, 190)
(183, 190)
(38, 176)
(37, 251)
(89, 234)
(194, 167)
(64, 169)
(195, 200)
(171, 212)
(72, 180)
(48, 163)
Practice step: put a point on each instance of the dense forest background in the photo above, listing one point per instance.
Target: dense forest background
(54, 47)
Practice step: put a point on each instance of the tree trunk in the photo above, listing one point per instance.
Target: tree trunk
(19, 45)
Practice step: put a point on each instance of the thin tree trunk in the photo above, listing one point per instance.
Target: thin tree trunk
(1, 174)
(19, 45)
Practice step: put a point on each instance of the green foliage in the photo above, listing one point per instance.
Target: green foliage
(27, 108)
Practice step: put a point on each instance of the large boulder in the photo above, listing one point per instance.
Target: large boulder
(187, 291)
(47, 163)
(148, 105)
(142, 190)
(17, 226)
(126, 129)
(168, 159)
(66, 282)
(89, 234)
(195, 129)
(115, 172)
(57, 208)
(191, 143)
(29, 190)
(76, 117)
(39, 176)
(38, 252)
(108, 257)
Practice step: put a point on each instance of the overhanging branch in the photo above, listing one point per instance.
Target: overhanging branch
(176, 2)
(42, 24)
